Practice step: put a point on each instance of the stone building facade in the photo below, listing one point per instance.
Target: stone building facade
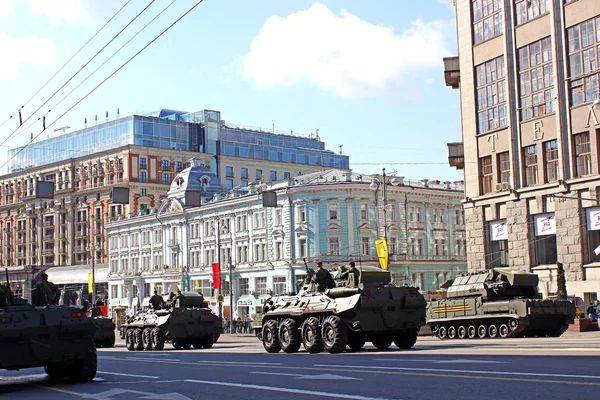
(528, 80)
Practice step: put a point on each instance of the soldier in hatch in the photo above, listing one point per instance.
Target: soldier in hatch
(179, 300)
(157, 301)
(351, 274)
(46, 292)
(322, 278)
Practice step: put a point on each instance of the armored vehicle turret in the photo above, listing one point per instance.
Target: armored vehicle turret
(191, 325)
(497, 303)
(350, 314)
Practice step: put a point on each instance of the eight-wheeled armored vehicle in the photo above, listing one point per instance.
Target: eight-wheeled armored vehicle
(497, 303)
(59, 338)
(192, 325)
(347, 315)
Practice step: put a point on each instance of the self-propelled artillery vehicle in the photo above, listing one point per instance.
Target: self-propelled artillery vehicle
(192, 325)
(349, 314)
(497, 303)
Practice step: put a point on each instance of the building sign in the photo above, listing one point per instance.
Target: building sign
(244, 302)
(593, 219)
(545, 225)
(498, 230)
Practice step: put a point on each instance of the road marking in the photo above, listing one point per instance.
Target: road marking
(466, 371)
(142, 359)
(285, 390)
(456, 361)
(145, 395)
(136, 382)
(130, 375)
(329, 377)
(237, 363)
(54, 389)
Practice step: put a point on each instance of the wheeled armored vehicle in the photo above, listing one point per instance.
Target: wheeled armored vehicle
(58, 338)
(349, 314)
(192, 325)
(498, 303)
(105, 332)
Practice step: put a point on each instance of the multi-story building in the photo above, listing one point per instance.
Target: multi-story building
(334, 216)
(528, 74)
(143, 153)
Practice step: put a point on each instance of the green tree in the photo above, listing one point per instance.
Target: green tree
(561, 282)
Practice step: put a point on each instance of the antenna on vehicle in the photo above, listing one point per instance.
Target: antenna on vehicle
(11, 300)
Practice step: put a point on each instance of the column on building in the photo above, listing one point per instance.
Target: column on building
(350, 232)
(316, 231)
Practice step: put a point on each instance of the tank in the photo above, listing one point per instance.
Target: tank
(58, 338)
(192, 325)
(348, 315)
(499, 303)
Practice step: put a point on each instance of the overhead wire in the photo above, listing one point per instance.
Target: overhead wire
(106, 79)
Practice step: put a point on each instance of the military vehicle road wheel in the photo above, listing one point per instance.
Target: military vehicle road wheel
(208, 341)
(407, 339)
(452, 332)
(504, 331)
(158, 339)
(84, 370)
(271, 337)
(482, 331)
(129, 340)
(186, 345)
(382, 342)
(356, 341)
(122, 331)
(56, 372)
(147, 339)
(290, 337)
(216, 337)
(110, 342)
(335, 334)
(492, 331)
(138, 339)
(177, 344)
(472, 332)
(442, 332)
(462, 332)
(311, 335)
(258, 333)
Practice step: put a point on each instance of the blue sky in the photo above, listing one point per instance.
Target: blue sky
(368, 75)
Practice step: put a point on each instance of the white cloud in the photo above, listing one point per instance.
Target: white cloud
(31, 50)
(58, 11)
(341, 54)
(5, 9)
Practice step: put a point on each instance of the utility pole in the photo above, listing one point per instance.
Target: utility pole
(93, 277)
(385, 226)
(218, 233)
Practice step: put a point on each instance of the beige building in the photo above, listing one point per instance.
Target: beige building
(528, 74)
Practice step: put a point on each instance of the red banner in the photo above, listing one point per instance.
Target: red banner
(216, 276)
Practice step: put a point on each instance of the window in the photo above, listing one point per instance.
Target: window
(229, 183)
(545, 239)
(459, 216)
(460, 247)
(536, 79)
(504, 169)
(203, 286)
(302, 213)
(440, 247)
(529, 9)
(334, 246)
(364, 211)
(415, 214)
(393, 245)
(178, 166)
(487, 174)
(278, 218)
(593, 233)
(302, 250)
(165, 165)
(365, 245)
(261, 286)
(584, 50)
(551, 160)
(273, 175)
(166, 180)
(531, 165)
(279, 285)
(416, 246)
(244, 286)
(332, 209)
(143, 192)
(143, 163)
(244, 173)
(279, 250)
(583, 156)
(487, 19)
(491, 95)
(229, 172)
(143, 177)
(259, 174)
(498, 240)
(287, 175)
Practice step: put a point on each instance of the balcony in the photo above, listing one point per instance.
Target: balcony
(81, 234)
(48, 252)
(456, 155)
(48, 238)
(21, 254)
(452, 72)
(80, 249)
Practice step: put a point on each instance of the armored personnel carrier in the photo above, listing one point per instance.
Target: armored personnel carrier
(59, 338)
(497, 303)
(105, 331)
(192, 325)
(348, 315)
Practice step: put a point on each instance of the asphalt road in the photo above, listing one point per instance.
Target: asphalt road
(238, 368)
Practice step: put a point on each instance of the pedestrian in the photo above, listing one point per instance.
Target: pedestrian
(592, 311)
(46, 292)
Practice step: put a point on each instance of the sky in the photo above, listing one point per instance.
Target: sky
(368, 75)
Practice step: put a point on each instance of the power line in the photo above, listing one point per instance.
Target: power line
(65, 64)
(106, 79)
(76, 73)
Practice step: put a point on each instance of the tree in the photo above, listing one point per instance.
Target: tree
(561, 282)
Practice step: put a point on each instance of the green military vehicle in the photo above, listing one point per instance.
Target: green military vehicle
(105, 332)
(58, 338)
(347, 315)
(192, 325)
(498, 303)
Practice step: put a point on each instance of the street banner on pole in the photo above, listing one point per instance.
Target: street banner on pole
(216, 276)
(90, 283)
(382, 253)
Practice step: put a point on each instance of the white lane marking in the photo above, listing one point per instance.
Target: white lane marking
(130, 375)
(274, 373)
(286, 390)
(464, 371)
(455, 361)
(328, 377)
(237, 362)
(138, 359)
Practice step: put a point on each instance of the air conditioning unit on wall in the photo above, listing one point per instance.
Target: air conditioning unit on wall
(501, 187)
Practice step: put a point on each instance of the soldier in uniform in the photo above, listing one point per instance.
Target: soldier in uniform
(4, 296)
(157, 301)
(179, 300)
(322, 277)
(46, 292)
(351, 271)
(310, 278)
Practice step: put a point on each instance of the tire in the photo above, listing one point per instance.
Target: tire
(122, 331)
(472, 332)
(382, 342)
(290, 337)
(407, 339)
(129, 340)
(493, 331)
(452, 332)
(147, 339)
(216, 337)
(504, 331)
(271, 337)
(138, 339)
(258, 333)
(177, 344)
(110, 342)
(356, 340)
(334, 334)
(208, 341)
(442, 332)
(57, 372)
(84, 370)
(186, 345)
(461, 332)
(158, 339)
(482, 331)
(311, 336)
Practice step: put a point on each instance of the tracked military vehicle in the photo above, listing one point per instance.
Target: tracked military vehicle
(192, 325)
(58, 338)
(498, 303)
(347, 315)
